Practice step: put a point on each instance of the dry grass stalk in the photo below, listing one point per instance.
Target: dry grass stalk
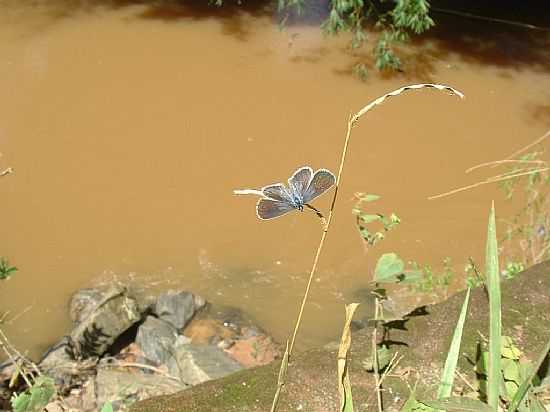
(488, 181)
(6, 172)
(351, 123)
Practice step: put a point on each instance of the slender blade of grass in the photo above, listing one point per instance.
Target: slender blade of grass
(344, 385)
(495, 326)
(447, 377)
(524, 387)
(459, 404)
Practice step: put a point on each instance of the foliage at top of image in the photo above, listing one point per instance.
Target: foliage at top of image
(395, 21)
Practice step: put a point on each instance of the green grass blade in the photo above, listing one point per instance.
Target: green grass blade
(458, 404)
(448, 375)
(107, 407)
(524, 387)
(493, 286)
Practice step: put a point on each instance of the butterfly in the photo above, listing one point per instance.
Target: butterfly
(303, 186)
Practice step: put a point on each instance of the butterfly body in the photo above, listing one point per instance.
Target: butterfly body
(303, 187)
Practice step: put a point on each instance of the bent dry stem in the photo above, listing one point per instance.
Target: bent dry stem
(351, 123)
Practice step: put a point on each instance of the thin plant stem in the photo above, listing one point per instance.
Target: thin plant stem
(498, 162)
(351, 123)
(374, 349)
(489, 19)
(530, 145)
(486, 182)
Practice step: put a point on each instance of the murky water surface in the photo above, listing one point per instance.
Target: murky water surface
(129, 126)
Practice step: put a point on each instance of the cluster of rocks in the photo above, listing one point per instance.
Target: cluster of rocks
(125, 348)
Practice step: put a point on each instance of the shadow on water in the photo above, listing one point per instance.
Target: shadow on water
(472, 40)
(233, 15)
(491, 43)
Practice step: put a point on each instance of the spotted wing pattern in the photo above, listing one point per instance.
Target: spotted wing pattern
(299, 181)
(269, 208)
(322, 181)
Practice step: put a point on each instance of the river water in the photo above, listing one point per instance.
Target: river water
(129, 125)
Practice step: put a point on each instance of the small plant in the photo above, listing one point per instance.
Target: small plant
(431, 281)
(527, 238)
(36, 397)
(6, 270)
(327, 223)
(363, 219)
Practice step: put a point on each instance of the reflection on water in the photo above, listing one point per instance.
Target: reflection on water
(129, 126)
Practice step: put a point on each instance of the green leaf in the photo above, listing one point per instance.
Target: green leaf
(508, 350)
(365, 218)
(522, 390)
(384, 356)
(107, 407)
(459, 404)
(482, 364)
(511, 370)
(495, 327)
(412, 405)
(363, 197)
(388, 267)
(511, 388)
(410, 276)
(36, 397)
(447, 377)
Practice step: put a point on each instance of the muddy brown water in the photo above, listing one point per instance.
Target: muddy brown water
(128, 128)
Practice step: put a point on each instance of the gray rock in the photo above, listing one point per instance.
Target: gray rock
(82, 398)
(84, 302)
(121, 386)
(59, 364)
(199, 363)
(156, 339)
(99, 327)
(177, 307)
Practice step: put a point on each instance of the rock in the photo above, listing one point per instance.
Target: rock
(7, 370)
(423, 344)
(200, 363)
(131, 353)
(55, 406)
(84, 302)
(113, 314)
(83, 398)
(209, 331)
(123, 387)
(253, 349)
(177, 307)
(59, 364)
(156, 339)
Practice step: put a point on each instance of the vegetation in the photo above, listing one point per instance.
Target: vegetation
(6, 270)
(505, 380)
(394, 22)
(389, 265)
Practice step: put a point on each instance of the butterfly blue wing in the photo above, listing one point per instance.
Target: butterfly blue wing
(299, 181)
(322, 180)
(269, 208)
(277, 191)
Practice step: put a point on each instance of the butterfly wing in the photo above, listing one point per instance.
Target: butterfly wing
(277, 191)
(322, 180)
(269, 208)
(299, 181)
